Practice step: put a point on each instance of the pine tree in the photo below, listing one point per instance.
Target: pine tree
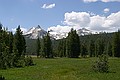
(10, 42)
(116, 44)
(73, 44)
(38, 47)
(91, 49)
(47, 46)
(19, 48)
(4, 49)
(19, 42)
(108, 49)
(62, 48)
(83, 50)
(99, 47)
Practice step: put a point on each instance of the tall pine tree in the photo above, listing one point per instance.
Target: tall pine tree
(73, 44)
(91, 48)
(116, 44)
(38, 47)
(47, 46)
(19, 48)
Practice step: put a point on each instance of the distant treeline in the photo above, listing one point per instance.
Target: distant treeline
(79, 46)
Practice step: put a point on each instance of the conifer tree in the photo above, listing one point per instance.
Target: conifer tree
(47, 46)
(19, 48)
(116, 44)
(99, 47)
(91, 49)
(38, 47)
(108, 49)
(73, 44)
(10, 42)
(83, 50)
(62, 48)
(19, 42)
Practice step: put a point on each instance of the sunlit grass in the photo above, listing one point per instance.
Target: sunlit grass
(63, 69)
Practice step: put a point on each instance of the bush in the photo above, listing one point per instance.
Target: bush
(2, 78)
(101, 65)
(19, 63)
(28, 61)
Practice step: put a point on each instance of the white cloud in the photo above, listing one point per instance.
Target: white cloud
(113, 21)
(60, 28)
(110, 0)
(101, 0)
(78, 20)
(106, 10)
(90, 0)
(22, 29)
(48, 6)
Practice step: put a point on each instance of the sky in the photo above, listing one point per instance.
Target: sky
(61, 15)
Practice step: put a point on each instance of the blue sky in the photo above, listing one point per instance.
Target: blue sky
(56, 14)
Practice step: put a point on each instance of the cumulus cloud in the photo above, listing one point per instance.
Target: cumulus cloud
(48, 6)
(90, 0)
(101, 1)
(22, 29)
(110, 0)
(78, 20)
(106, 10)
(60, 28)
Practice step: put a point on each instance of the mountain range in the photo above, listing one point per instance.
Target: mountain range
(35, 32)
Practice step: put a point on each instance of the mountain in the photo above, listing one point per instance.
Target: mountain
(58, 35)
(84, 31)
(35, 32)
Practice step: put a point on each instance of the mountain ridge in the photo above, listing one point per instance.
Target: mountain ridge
(35, 32)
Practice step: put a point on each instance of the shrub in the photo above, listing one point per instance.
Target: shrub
(28, 61)
(2, 78)
(101, 65)
(19, 63)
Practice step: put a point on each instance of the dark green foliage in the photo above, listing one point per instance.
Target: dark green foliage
(28, 61)
(116, 44)
(19, 43)
(38, 47)
(91, 49)
(99, 43)
(62, 48)
(83, 50)
(31, 46)
(108, 49)
(73, 44)
(2, 77)
(12, 49)
(5, 60)
(47, 46)
(19, 63)
(102, 64)
(19, 48)
(99, 47)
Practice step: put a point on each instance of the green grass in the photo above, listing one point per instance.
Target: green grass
(63, 69)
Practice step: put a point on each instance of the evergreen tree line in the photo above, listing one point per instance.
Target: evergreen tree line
(12, 49)
(84, 46)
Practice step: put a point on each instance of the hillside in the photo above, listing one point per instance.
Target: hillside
(31, 43)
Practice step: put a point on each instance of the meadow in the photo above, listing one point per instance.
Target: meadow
(63, 69)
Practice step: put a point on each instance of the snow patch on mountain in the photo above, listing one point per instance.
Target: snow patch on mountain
(35, 32)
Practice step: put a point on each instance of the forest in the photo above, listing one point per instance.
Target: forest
(12, 49)
(17, 51)
(91, 45)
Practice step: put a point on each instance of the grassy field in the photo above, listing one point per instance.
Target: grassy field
(63, 69)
